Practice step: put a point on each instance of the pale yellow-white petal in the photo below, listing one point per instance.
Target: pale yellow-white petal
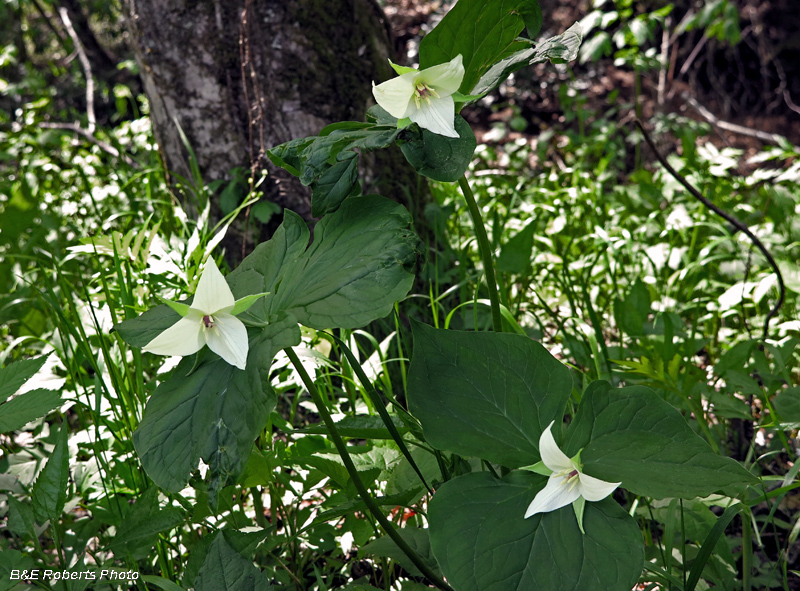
(594, 489)
(228, 339)
(445, 79)
(213, 293)
(557, 493)
(396, 95)
(552, 456)
(182, 338)
(438, 117)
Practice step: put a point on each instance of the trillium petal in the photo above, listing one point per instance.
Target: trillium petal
(182, 338)
(557, 493)
(444, 78)
(438, 117)
(213, 293)
(594, 489)
(552, 456)
(396, 95)
(228, 339)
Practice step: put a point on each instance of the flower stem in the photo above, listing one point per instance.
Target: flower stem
(373, 507)
(486, 252)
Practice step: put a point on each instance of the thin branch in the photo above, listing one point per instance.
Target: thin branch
(789, 102)
(664, 61)
(764, 136)
(727, 217)
(692, 56)
(107, 148)
(87, 69)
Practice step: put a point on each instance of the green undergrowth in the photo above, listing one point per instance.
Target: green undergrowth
(615, 269)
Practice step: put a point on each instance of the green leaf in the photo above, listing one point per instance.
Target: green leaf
(515, 256)
(244, 304)
(162, 583)
(401, 69)
(23, 409)
(438, 157)
(263, 269)
(225, 569)
(50, 489)
(356, 268)
(380, 116)
(20, 517)
(736, 358)
(214, 412)
(560, 49)
(139, 331)
(181, 308)
(13, 560)
(488, 395)
(139, 529)
(633, 436)
(327, 162)
(12, 376)
(416, 538)
(334, 185)
(787, 405)
(482, 31)
(483, 543)
(634, 310)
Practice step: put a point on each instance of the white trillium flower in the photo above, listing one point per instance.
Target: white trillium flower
(423, 96)
(209, 320)
(567, 484)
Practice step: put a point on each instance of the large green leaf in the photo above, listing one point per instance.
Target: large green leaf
(14, 375)
(630, 435)
(482, 31)
(214, 412)
(50, 489)
(263, 269)
(488, 395)
(225, 569)
(356, 268)
(334, 185)
(328, 162)
(562, 48)
(35, 404)
(439, 157)
(483, 542)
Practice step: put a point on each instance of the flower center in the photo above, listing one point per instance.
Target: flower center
(424, 92)
(571, 476)
(208, 321)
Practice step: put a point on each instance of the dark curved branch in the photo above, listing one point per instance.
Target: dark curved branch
(727, 217)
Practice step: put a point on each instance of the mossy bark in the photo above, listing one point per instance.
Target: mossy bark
(241, 76)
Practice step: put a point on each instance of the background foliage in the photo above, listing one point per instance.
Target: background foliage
(602, 258)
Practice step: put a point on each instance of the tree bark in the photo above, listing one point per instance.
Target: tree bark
(241, 76)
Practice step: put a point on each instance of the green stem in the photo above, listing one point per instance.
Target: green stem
(486, 252)
(747, 551)
(351, 470)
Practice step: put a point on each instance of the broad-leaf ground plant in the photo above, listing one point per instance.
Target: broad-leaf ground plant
(500, 465)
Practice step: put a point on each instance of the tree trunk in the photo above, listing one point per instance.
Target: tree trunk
(241, 76)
